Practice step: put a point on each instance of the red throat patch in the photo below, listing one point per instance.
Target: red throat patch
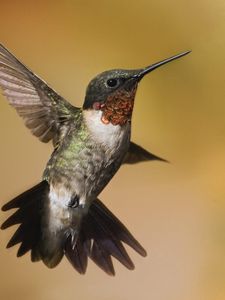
(118, 107)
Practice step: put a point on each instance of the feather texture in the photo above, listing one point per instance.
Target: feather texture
(101, 236)
(28, 215)
(136, 154)
(43, 110)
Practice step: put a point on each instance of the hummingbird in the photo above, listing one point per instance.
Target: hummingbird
(62, 215)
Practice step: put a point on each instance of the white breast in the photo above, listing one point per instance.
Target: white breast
(112, 136)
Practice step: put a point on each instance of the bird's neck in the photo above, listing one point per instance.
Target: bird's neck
(108, 134)
(118, 107)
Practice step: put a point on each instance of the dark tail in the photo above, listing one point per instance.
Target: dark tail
(101, 237)
(28, 215)
(101, 234)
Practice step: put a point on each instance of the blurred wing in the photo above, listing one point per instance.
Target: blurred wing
(138, 154)
(43, 110)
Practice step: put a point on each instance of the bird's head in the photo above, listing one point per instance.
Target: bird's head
(113, 92)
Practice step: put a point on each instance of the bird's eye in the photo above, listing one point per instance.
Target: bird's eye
(113, 82)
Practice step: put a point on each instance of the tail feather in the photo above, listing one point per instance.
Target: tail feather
(102, 259)
(35, 255)
(17, 237)
(23, 199)
(105, 234)
(108, 239)
(101, 235)
(14, 219)
(28, 216)
(78, 255)
(112, 223)
(24, 248)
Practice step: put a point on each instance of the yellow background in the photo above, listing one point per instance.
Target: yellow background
(176, 210)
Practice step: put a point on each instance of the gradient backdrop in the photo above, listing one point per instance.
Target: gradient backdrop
(176, 210)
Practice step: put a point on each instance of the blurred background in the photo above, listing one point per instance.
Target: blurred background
(176, 210)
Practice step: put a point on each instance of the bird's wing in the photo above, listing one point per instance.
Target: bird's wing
(43, 110)
(138, 154)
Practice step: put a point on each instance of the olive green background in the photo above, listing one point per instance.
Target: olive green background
(176, 210)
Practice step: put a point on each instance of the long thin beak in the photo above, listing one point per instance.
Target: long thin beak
(150, 68)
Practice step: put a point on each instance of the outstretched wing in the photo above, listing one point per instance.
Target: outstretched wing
(136, 154)
(43, 110)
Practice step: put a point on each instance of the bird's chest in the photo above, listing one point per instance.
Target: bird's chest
(111, 143)
(91, 158)
(112, 139)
